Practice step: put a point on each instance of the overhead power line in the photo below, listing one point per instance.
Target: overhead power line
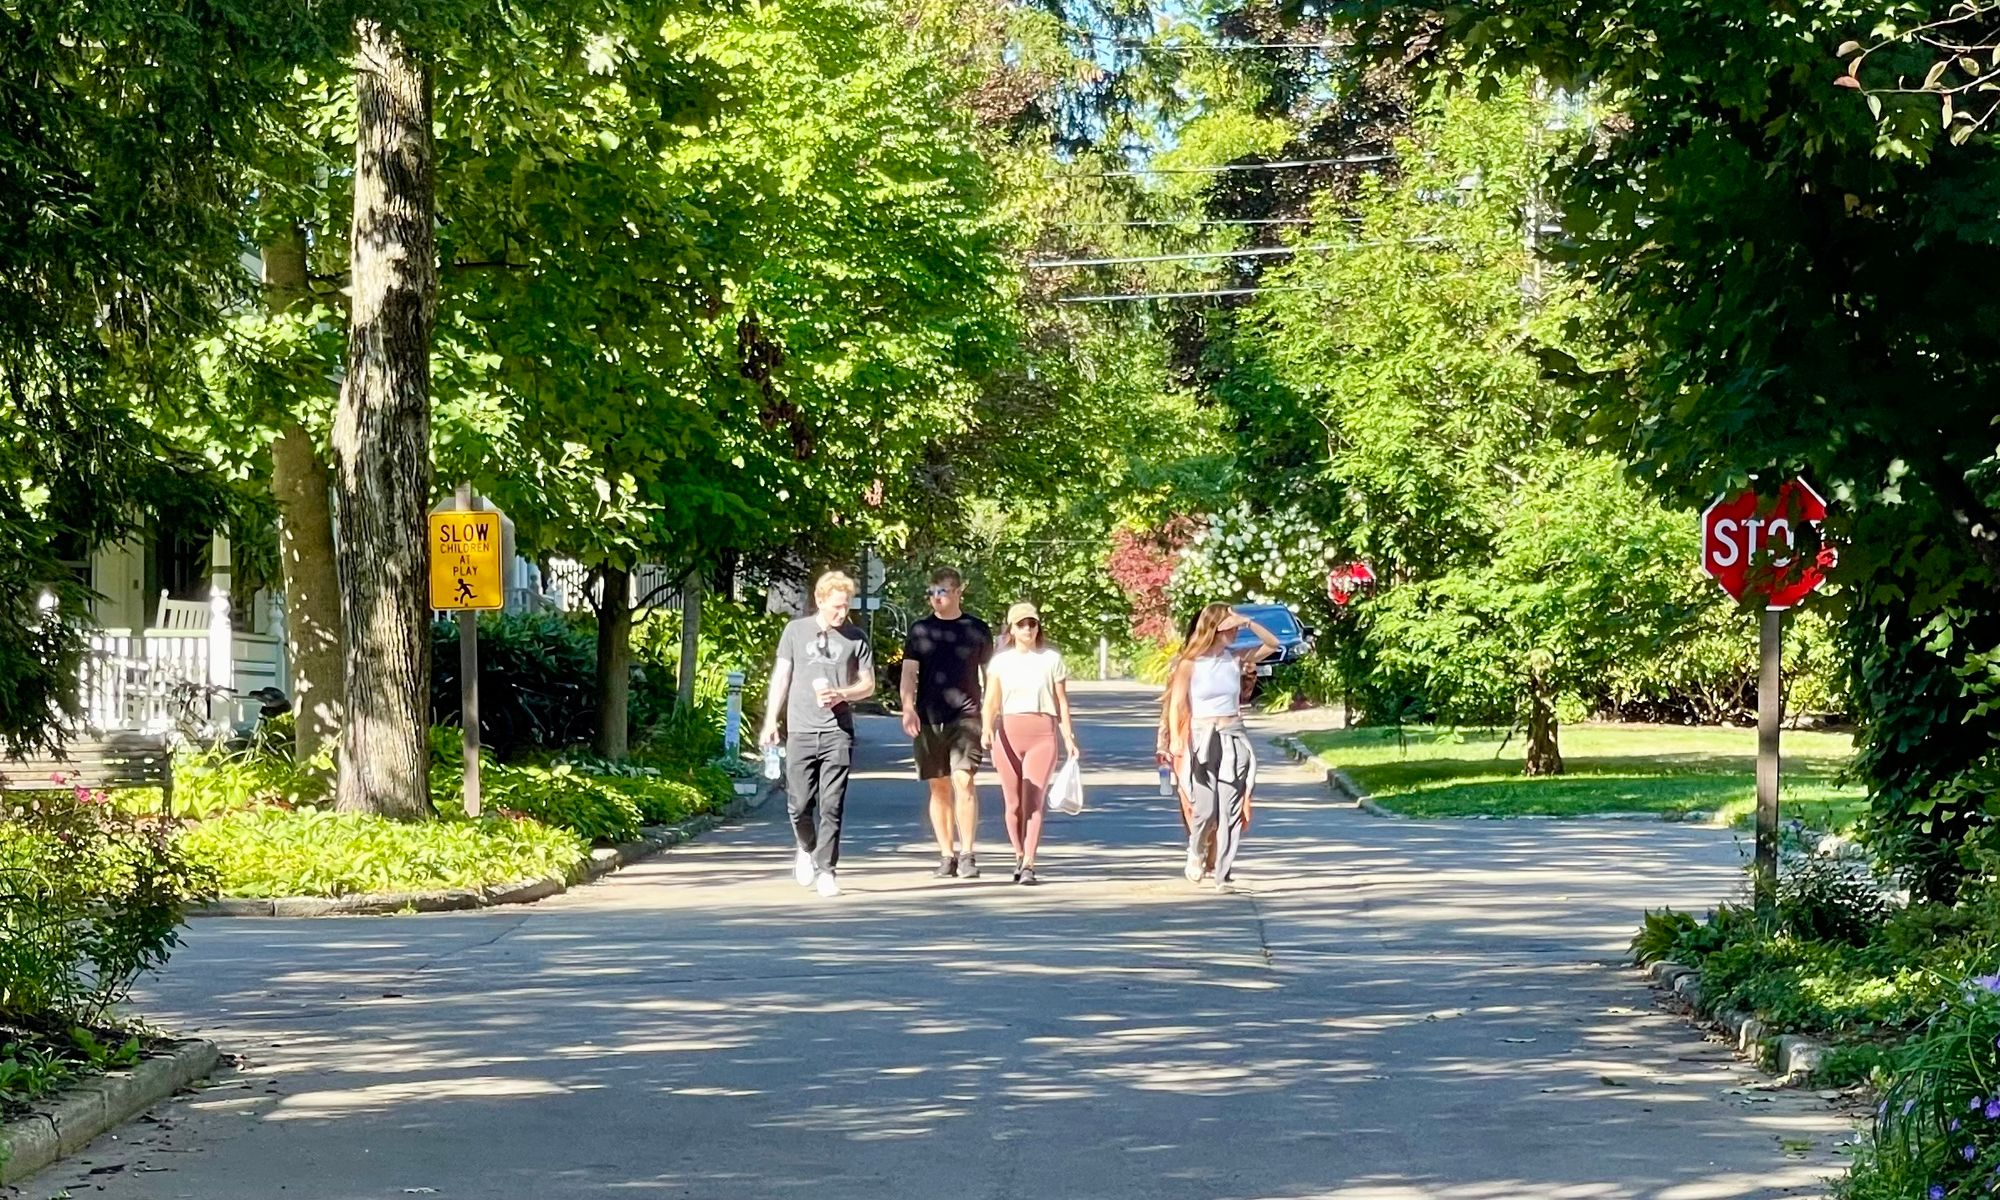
(1282, 165)
(1244, 291)
(1218, 48)
(1251, 252)
(1184, 221)
(1127, 43)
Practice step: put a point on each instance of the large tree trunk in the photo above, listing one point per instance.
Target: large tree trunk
(381, 436)
(614, 664)
(302, 484)
(1544, 756)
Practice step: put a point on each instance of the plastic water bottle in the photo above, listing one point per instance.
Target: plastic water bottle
(773, 763)
(1166, 780)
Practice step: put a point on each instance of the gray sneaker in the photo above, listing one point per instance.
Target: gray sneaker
(968, 867)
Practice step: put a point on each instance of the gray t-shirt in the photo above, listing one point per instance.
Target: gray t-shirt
(835, 655)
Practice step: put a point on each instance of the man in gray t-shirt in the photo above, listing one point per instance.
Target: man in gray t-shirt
(823, 666)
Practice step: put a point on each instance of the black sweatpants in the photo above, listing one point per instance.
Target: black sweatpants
(816, 767)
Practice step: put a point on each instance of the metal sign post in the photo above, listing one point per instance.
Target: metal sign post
(468, 574)
(468, 685)
(1769, 701)
(1779, 574)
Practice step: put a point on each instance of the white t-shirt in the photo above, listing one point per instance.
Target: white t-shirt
(1026, 680)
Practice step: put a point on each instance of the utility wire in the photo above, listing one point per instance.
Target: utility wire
(1221, 48)
(1246, 291)
(1286, 164)
(1185, 221)
(1252, 252)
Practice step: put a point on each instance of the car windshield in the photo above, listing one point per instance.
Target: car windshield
(1274, 617)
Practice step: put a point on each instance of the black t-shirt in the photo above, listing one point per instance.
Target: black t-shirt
(948, 655)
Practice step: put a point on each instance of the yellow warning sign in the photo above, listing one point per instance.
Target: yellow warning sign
(466, 561)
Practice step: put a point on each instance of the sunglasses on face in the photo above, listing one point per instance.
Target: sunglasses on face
(940, 592)
(1027, 623)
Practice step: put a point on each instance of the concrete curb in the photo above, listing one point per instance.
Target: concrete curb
(82, 1112)
(602, 861)
(1343, 787)
(1791, 1057)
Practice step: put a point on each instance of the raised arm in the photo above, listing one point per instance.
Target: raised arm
(1268, 642)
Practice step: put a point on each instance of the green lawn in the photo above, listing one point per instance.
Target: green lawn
(1425, 771)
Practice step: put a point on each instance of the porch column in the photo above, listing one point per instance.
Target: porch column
(221, 637)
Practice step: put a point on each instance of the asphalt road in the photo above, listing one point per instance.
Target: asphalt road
(1385, 1010)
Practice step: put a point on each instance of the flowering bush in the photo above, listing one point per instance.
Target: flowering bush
(1260, 558)
(1142, 565)
(1937, 1130)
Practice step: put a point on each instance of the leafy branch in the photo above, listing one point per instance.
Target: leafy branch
(1966, 65)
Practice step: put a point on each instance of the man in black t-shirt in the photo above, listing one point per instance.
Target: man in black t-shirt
(944, 670)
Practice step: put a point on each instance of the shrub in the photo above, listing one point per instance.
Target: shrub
(311, 852)
(90, 897)
(537, 681)
(734, 637)
(683, 738)
(1830, 899)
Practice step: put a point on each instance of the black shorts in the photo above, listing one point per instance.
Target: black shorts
(944, 749)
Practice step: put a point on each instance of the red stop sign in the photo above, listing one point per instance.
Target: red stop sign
(1750, 544)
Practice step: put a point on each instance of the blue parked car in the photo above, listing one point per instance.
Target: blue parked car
(1294, 639)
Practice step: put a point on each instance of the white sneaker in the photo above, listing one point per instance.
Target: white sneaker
(828, 885)
(802, 868)
(1193, 870)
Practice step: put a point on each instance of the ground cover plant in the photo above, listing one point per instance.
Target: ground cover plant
(270, 852)
(263, 825)
(1432, 771)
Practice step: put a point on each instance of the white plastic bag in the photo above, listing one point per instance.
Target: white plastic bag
(1066, 789)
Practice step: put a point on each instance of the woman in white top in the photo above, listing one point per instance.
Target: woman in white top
(1206, 736)
(1027, 701)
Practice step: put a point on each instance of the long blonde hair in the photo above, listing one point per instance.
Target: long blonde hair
(1206, 634)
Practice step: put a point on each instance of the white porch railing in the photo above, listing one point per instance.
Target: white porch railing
(143, 683)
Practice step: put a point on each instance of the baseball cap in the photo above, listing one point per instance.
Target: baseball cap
(1021, 612)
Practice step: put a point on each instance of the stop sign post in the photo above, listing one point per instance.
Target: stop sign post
(1756, 547)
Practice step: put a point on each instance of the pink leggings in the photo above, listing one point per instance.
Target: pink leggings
(1026, 758)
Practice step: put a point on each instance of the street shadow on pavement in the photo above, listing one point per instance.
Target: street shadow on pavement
(1385, 1010)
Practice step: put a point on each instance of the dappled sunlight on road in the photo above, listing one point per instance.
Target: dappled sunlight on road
(1384, 1009)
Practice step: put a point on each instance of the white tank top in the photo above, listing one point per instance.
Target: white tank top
(1214, 686)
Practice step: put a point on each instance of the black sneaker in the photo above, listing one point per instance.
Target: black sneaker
(968, 867)
(947, 866)
(1027, 876)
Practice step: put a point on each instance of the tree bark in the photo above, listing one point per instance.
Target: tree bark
(614, 664)
(381, 436)
(690, 657)
(1544, 756)
(302, 484)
